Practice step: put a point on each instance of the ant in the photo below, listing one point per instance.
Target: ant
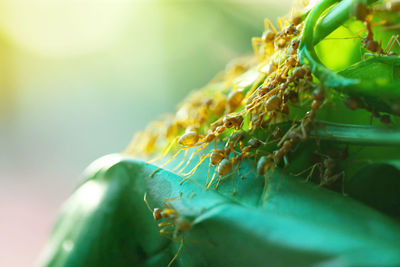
(270, 92)
(172, 219)
(285, 35)
(191, 138)
(171, 216)
(216, 156)
(220, 158)
(363, 13)
(266, 41)
(229, 121)
(234, 100)
(327, 168)
(235, 121)
(225, 166)
(300, 132)
(264, 164)
(353, 103)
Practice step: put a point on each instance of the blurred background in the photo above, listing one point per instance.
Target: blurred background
(78, 78)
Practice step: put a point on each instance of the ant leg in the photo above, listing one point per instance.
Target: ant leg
(238, 169)
(308, 178)
(312, 167)
(164, 232)
(208, 174)
(177, 253)
(256, 42)
(362, 54)
(167, 201)
(327, 180)
(233, 150)
(394, 39)
(285, 161)
(191, 157)
(218, 180)
(292, 13)
(229, 140)
(280, 24)
(173, 157)
(268, 176)
(268, 24)
(167, 231)
(397, 40)
(165, 151)
(182, 161)
(255, 86)
(191, 172)
(147, 203)
(212, 179)
(303, 171)
(389, 45)
(168, 222)
(283, 139)
(222, 178)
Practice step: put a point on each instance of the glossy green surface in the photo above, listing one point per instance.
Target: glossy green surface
(106, 222)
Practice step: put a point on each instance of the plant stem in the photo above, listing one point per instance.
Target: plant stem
(357, 134)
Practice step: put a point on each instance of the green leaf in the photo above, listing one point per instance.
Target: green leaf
(298, 224)
(377, 185)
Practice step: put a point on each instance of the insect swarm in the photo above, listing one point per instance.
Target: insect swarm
(205, 119)
(257, 96)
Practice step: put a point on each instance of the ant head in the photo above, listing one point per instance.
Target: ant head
(295, 44)
(157, 214)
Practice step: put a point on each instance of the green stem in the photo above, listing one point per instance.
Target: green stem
(335, 17)
(322, 20)
(357, 134)
(307, 54)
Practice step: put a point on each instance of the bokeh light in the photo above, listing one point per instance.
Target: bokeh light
(78, 78)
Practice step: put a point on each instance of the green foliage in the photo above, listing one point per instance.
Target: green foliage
(380, 89)
(300, 213)
(298, 224)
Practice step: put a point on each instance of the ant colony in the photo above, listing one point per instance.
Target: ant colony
(255, 94)
(259, 110)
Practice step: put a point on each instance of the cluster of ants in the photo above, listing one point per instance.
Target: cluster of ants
(232, 113)
(264, 105)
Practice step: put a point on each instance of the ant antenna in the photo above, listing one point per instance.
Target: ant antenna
(147, 203)
(177, 253)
